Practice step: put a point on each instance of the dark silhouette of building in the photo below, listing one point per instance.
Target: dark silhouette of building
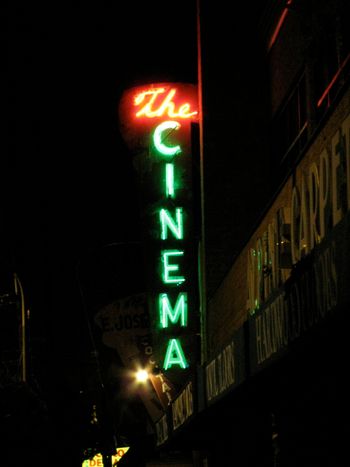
(270, 388)
(276, 165)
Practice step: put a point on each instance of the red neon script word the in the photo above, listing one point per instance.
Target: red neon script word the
(155, 106)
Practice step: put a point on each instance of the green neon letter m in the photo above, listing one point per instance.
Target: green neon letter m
(168, 313)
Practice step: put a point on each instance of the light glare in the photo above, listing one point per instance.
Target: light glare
(141, 376)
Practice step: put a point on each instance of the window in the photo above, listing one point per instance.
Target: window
(332, 65)
(289, 127)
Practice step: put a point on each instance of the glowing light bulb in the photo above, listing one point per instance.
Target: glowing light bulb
(141, 376)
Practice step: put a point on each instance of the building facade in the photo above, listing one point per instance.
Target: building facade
(272, 390)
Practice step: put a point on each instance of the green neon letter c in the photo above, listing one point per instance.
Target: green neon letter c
(158, 138)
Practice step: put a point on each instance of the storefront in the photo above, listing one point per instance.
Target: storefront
(274, 393)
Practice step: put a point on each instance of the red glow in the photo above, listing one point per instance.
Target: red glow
(142, 108)
(155, 104)
(333, 80)
(279, 25)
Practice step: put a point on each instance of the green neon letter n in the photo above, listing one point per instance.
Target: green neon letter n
(167, 222)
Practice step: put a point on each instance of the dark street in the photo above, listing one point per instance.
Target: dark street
(174, 197)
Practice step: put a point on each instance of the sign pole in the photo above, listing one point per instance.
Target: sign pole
(201, 255)
(19, 291)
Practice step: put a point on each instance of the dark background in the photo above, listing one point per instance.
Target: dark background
(69, 205)
(68, 182)
(69, 199)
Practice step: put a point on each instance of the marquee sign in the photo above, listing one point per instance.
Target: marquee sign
(97, 460)
(296, 274)
(156, 122)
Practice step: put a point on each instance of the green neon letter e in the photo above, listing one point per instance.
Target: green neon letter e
(168, 268)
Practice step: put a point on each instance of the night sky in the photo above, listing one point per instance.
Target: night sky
(68, 200)
(68, 187)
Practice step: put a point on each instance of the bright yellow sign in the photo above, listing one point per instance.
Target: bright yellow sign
(119, 454)
(97, 461)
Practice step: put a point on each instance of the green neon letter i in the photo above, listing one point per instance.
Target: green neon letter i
(169, 180)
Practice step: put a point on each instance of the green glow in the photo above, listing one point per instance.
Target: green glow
(169, 180)
(167, 222)
(168, 278)
(174, 355)
(168, 313)
(158, 138)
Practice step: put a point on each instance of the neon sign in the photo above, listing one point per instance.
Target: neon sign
(151, 98)
(171, 225)
(156, 122)
(160, 137)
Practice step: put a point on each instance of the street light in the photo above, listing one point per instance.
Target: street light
(141, 375)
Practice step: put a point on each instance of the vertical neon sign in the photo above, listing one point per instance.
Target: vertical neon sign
(157, 122)
(171, 225)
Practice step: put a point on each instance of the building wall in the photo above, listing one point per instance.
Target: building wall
(275, 371)
(234, 133)
(289, 55)
(229, 309)
(286, 57)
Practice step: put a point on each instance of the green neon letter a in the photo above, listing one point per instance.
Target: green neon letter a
(175, 355)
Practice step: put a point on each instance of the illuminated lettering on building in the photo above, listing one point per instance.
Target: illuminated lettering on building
(220, 373)
(182, 407)
(318, 201)
(295, 275)
(162, 430)
(154, 103)
(156, 122)
(97, 460)
(171, 225)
